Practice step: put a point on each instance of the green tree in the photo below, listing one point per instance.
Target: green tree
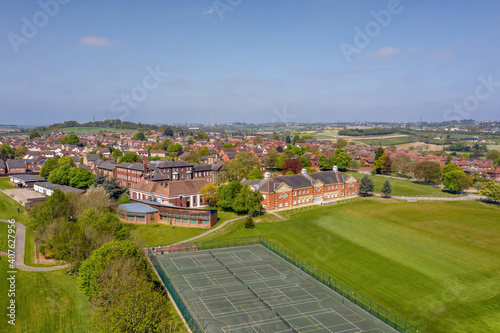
(129, 158)
(341, 143)
(457, 180)
(493, 155)
(296, 138)
(34, 134)
(341, 159)
(6, 152)
(379, 152)
(491, 190)
(249, 224)
(174, 148)
(387, 188)
(227, 193)
(239, 167)
(450, 167)
(256, 173)
(88, 279)
(110, 185)
(258, 139)
(271, 159)
(227, 145)
(48, 166)
(117, 153)
(139, 136)
(81, 178)
(66, 160)
(428, 171)
(71, 139)
(204, 152)
(288, 139)
(209, 192)
(366, 185)
(247, 201)
(379, 166)
(191, 141)
(60, 175)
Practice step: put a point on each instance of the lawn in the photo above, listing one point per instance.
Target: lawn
(4, 229)
(8, 209)
(404, 187)
(45, 302)
(436, 264)
(164, 234)
(5, 183)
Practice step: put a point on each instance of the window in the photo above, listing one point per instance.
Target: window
(177, 220)
(205, 222)
(307, 191)
(342, 187)
(130, 218)
(194, 221)
(280, 204)
(294, 202)
(264, 196)
(264, 206)
(286, 204)
(335, 186)
(318, 189)
(303, 192)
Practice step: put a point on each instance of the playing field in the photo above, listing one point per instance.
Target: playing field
(251, 289)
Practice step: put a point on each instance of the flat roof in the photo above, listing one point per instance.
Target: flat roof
(136, 207)
(28, 178)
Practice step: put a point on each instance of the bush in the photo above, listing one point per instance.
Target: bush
(249, 224)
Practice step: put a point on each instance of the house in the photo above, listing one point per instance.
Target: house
(182, 193)
(173, 170)
(3, 168)
(89, 159)
(129, 174)
(16, 166)
(494, 174)
(209, 172)
(302, 189)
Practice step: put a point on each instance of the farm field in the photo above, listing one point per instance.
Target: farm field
(436, 264)
(387, 141)
(401, 187)
(88, 130)
(425, 146)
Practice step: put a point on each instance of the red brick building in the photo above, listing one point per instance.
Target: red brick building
(129, 174)
(181, 194)
(302, 189)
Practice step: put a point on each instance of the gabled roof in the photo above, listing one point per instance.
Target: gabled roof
(14, 164)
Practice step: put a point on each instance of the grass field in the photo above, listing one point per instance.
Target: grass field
(85, 130)
(4, 227)
(8, 209)
(5, 183)
(436, 264)
(387, 141)
(163, 234)
(401, 187)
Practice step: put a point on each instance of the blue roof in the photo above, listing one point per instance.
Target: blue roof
(137, 208)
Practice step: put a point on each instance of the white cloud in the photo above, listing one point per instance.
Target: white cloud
(94, 41)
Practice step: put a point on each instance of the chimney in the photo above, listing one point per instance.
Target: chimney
(335, 168)
(267, 175)
(303, 171)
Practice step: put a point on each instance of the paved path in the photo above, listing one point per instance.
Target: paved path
(210, 231)
(277, 215)
(20, 244)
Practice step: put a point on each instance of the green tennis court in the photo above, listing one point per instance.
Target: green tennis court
(251, 289)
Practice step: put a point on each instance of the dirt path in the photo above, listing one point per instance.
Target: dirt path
(20, 244)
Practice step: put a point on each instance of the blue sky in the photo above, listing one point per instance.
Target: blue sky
(248, 60)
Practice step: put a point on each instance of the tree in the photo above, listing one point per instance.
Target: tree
(491, 190)
(341, 159)
(191, 141)
(110, 186)
(227, 145)
(174, 148)
(341, 143)
(204, 152)
(209, 193)
(249, 224)
(294, 165)
(379, 152)
(247, 201)
(117, 153)
(428, 171)
(493, 155)
(271, 159)
(366, 185)
(19, 152)
(256, 173)
(88, 280)
(306, 160)
(129, 158)
(258, 139)
(139, 136)
(288, 139)
(402, 164)
(48, 166)
(34, 134)
(386, 188)
(378, 166)
(60, 175)
(72, 139)
(227, 193)
(6, 152)
(168, 131)
(276, 137)
(457, 180)
(128, 301)
(296, 138)
(81, 178)
(239, 167)
(450, 167)
(192, 157)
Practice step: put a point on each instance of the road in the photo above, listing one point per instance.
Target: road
(20, 244)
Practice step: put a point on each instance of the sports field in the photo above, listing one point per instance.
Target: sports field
(436, 264)
(251, 289)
